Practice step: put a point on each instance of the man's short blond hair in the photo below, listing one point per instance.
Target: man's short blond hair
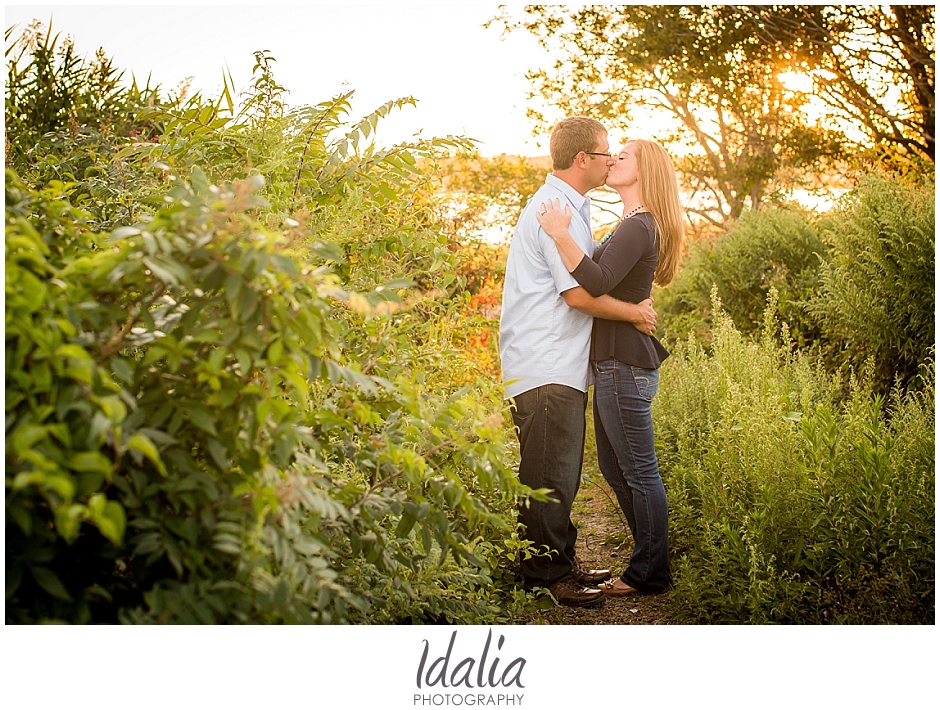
(572, 135)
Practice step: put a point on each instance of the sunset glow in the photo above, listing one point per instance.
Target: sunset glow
(796, 81)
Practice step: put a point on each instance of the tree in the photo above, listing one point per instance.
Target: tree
(743, 134)
(482, 193)
(872, 65)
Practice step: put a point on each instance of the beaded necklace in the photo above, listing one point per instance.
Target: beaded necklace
(627, 216)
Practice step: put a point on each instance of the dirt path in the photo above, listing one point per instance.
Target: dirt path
(603, 542)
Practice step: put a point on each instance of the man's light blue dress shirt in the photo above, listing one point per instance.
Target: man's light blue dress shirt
(541, 339)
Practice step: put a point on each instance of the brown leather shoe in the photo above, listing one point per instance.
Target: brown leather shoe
(567, 592)
(612, 589)
(588, 577)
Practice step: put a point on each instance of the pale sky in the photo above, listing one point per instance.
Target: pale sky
(467, 79)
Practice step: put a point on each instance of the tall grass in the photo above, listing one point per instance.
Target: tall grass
(796, 496)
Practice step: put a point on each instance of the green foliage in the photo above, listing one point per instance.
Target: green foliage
(876, 299)
(162, 377)
(231, 407)
(483, 193)
(788, 502)
(67, 118)
(51, 88)
(773, 248)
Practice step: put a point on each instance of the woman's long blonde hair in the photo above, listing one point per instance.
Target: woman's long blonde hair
(659, 193)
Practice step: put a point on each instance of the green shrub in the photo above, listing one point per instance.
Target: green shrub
(876, 297)
(789, 503)
(874, 516)
(773, 248)
(184, 442)
(231, 407)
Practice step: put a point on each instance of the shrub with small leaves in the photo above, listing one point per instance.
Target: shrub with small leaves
(877, 294)
(773, 248)
(227, 401)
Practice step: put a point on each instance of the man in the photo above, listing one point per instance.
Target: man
(544, 344)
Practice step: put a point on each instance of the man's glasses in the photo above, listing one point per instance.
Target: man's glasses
(606, 155)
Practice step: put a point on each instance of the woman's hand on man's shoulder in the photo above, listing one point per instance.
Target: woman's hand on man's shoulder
(553, 219)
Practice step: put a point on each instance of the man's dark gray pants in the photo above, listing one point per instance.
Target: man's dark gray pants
(550, 425)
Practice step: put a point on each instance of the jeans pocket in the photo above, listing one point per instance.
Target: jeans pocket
(647, 382)
(524, 405)
(608, 372)
(605, 367)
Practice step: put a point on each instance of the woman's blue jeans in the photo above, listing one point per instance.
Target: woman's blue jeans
(623, 426)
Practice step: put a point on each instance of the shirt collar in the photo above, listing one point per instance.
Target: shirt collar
(576, 198)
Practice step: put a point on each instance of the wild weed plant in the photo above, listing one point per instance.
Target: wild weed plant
(777, 248)
(792, 502)
(853, 285)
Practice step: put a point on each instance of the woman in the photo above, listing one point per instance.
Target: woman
(645, 248)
